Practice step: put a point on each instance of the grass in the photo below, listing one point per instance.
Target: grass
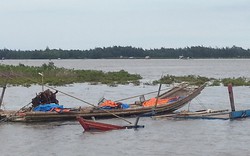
(27, 75)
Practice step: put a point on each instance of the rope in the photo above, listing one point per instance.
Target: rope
(8, 118)
(200, 103)
(139, 95)
(89, 104)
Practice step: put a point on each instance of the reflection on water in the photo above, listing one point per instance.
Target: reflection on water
(159, 137)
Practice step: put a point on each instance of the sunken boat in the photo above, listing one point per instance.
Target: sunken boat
(89, 125)
(166, 102)
(223, 114)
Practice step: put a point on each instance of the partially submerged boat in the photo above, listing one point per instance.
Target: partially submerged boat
(224, 114)
(166, 102)
(89, 125)
(200, 114)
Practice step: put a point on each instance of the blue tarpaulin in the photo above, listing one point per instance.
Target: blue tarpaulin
(125, 106)
(47, 107)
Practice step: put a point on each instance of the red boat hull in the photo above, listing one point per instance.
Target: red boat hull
(92, 125)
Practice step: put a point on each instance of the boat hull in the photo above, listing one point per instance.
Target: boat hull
(135, 110)
(97, 126)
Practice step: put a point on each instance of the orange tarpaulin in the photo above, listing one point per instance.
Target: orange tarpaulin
(152, 101)
(108, 103)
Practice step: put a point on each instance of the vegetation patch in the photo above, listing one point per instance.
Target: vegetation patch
(241, 81)
(52, 75)
(198, 80)
(192, 79)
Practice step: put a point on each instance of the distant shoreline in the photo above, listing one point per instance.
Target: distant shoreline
(128, 52)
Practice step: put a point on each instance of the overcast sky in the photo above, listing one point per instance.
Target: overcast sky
(86, 24)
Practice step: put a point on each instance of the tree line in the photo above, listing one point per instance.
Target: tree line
(127, 52)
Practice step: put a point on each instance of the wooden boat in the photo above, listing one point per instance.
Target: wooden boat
(236, 114)
(2, 116)
(92, 125)
(203, 114)
(89, 125)
(214, 114)
(185, 91)
(211, 114)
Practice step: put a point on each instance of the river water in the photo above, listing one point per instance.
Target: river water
(159, 137)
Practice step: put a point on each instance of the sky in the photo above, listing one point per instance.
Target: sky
(147, 24)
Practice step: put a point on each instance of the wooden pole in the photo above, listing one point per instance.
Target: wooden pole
(136, 121)
(41, 74)
(42, 85)
(3, 91)
(231, 96)
(153, 109)
(157, 95)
